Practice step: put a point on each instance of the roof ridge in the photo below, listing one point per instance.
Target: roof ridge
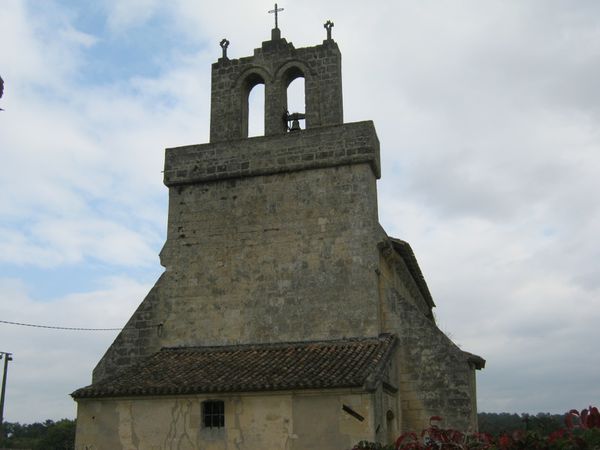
(283, 344)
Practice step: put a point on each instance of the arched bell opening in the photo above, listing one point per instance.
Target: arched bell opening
(253, 106)
(256, 111)
(295, 98)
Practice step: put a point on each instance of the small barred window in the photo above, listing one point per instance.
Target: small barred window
(213, 414)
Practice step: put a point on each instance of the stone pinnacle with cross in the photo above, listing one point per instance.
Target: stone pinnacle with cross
(224, 44)
(328, 26)
(276, 10)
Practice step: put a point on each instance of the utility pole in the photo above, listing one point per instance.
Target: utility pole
(7, 358)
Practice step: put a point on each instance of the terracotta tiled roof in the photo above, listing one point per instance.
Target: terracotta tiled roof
(242, 368)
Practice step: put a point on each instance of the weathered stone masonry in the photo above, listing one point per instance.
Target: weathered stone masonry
(276, 64)
(338, 145)
(262, 231)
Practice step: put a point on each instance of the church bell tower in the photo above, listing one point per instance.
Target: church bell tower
(273, 238)
(282, 295)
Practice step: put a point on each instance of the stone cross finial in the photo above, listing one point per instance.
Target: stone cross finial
(276, 10)
(224, 44)
(328, 26)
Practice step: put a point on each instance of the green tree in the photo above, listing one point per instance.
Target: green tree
(49, 435)
(59, 436)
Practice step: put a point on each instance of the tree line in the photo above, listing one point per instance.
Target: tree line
(49, 435)
(60, 435)
(497, 424)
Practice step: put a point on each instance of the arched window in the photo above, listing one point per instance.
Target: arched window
(295, 97)
(256, 111)
(390, 426)
(253, 106)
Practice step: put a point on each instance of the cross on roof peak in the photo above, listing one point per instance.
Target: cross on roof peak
(275, 10)
(328, 26)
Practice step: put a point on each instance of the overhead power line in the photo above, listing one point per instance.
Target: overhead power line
(59, 328)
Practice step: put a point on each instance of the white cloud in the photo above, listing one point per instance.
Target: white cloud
(123, 15)
(54, 242)
(81, 172)
(49, 364)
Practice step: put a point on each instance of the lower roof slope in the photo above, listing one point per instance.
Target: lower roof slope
(245, 368)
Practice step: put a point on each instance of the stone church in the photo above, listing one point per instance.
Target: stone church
(286, 317)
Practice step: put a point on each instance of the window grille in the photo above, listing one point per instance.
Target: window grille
(213, 414)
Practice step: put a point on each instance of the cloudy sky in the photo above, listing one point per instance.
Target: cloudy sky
(487, 113)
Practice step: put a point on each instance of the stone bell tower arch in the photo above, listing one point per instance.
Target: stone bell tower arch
(276, 64)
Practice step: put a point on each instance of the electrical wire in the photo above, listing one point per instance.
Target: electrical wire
(58, 328)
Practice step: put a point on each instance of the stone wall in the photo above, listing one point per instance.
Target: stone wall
(259, 421)
(350, 143)
(435, 377)
(397, 284)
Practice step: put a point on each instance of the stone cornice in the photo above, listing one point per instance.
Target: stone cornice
(329, 146)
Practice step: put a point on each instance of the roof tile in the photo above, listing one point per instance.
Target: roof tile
(243, 368)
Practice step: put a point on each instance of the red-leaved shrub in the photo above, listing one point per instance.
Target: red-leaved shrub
(582, 432)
